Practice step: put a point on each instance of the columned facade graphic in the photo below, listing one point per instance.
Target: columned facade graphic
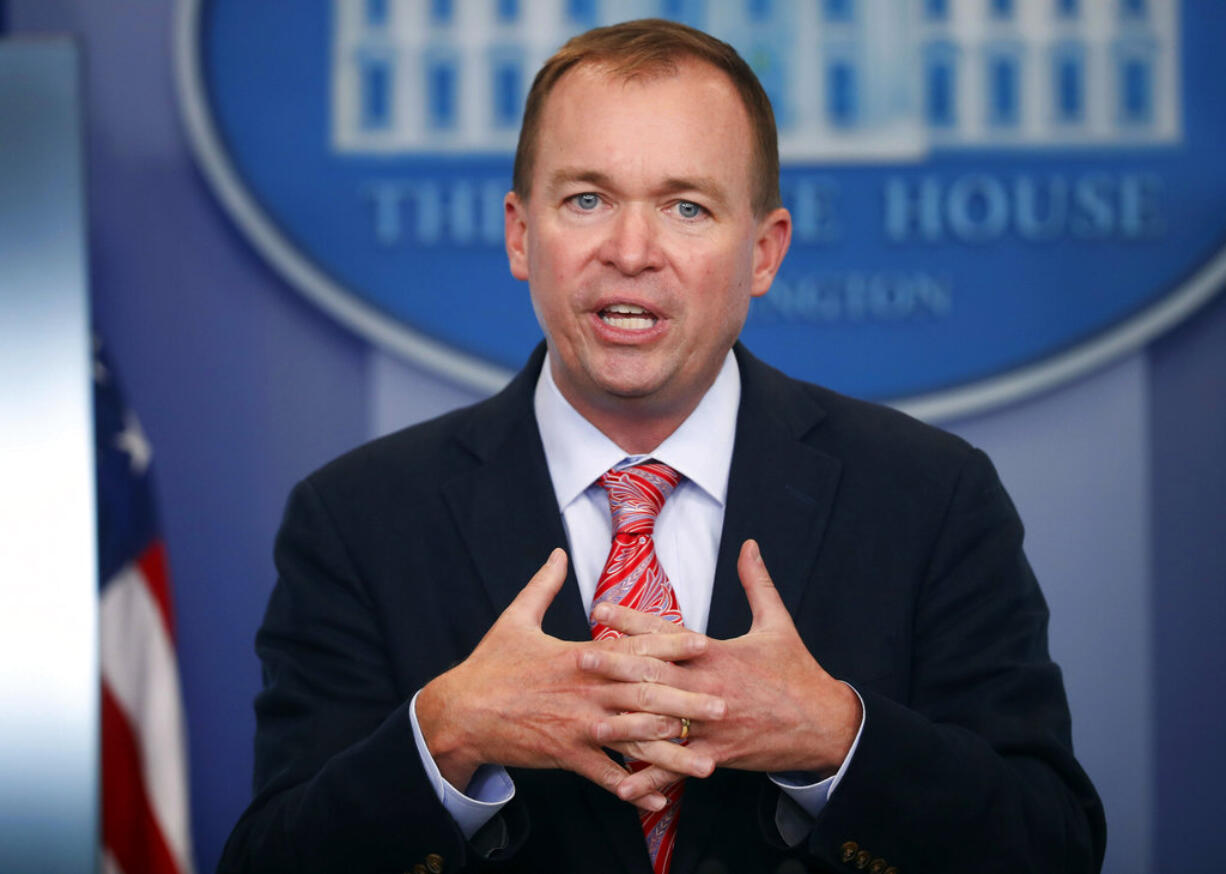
(850, 80)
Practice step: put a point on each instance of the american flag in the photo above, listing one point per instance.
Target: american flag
(145, 820)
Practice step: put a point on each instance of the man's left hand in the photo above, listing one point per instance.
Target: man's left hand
(784, 712)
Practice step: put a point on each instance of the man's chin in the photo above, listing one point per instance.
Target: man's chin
(627, 397)
(631, 387)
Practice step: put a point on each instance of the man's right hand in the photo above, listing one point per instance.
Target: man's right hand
(522, 699)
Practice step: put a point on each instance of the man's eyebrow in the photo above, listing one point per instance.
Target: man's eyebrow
(569, 176)
(704, 185)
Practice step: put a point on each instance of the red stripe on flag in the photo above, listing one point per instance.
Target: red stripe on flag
(154, 568)
(129, 829)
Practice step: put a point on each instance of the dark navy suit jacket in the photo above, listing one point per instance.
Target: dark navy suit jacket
(893, 545)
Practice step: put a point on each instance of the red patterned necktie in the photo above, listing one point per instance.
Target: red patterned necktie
(633, 577)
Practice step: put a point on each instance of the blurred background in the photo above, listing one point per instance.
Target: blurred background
(244, 384)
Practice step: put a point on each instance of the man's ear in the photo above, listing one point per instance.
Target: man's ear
(774, 237)
(515, 219)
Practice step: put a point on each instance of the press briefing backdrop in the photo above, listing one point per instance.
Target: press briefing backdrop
(297, 267)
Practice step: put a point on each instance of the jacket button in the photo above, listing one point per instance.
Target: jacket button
(863, 858)
(849, 851)
(877, 867)
(434, 863)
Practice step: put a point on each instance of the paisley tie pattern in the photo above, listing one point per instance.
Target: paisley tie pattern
(633, 577)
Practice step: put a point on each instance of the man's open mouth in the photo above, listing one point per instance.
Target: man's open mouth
(628, 317)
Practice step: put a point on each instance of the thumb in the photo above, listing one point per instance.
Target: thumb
(764, 600)
(535, 597)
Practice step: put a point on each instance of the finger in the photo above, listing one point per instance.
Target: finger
(599, 768)
(627, 668)
(678, 759)
(661, 700)
(651, 779)
(652, 801)
(636, 727)
(609, 775)
(674, 645)
(764, 601)
(535, 597)
(630, 621)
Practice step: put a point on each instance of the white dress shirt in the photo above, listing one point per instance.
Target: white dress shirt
(688, 528)
(687, 536)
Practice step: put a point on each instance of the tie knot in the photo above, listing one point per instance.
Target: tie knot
(637, 493)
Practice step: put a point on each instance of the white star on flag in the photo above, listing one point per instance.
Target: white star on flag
(132, 440)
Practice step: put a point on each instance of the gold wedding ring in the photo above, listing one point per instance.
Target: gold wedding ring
(685, 729)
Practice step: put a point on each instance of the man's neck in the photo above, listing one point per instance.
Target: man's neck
(636, 424)
(635, 432)
(577, 452)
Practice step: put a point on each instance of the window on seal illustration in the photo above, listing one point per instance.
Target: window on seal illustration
(507, 11)
(839, 10)
(691, 12)
(441, 12)
(1001, 8)
(376, 98)
(759, 10)
(442, 86)
(1136, 87)
(507, 91)
(1004, 87)
(940, 85)
(1133, 8)
(936, 10)
(1068, 8)
(581, 12)
(842, 97)
(376, 13)
(1068, 84)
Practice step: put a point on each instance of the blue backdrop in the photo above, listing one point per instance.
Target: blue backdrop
(244, 386)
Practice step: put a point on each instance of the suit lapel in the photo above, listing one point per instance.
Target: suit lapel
(505, 508)
(780, 493)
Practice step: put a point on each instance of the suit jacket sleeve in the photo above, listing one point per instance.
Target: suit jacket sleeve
(339, 785)
(971, 767)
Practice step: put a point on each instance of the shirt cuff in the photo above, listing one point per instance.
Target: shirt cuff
(488, 791)
(808, 795)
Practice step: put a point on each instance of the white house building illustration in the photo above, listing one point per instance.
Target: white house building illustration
(850, 80)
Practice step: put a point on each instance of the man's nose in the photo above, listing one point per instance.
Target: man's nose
(633, 243)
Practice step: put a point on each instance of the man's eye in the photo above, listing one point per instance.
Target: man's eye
(688, 209)
(586, 201)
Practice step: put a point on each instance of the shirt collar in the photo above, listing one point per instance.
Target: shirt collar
(577, 453)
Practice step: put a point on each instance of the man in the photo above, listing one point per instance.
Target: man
(862, 679)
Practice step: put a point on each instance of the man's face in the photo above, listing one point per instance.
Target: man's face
(638, 239)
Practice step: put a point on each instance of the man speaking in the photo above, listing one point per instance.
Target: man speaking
(655, 606)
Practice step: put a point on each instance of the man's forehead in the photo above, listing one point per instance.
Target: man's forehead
(573, 108)
(619, 76)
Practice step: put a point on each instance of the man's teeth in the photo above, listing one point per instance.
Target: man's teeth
(627, 317)
(634, 324)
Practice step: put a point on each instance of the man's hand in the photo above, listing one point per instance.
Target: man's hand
(525, 699)
(785, 713)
